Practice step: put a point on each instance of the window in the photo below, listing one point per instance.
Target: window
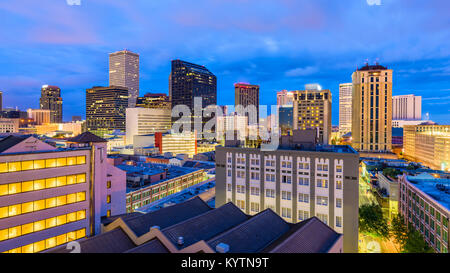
(108, 199)
(303, 215)
(338, 203)
(322, 183)
(323, 217)
(108, 184)
(286, 195)
(270, 193)
(254, 207)
(228, 187)
(286, 212)
(322, 201)
(302, 197)
(338, 221)
(338, 185)
(241, 204)
(303, 181)
(254, 191)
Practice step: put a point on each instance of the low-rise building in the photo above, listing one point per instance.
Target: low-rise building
(9, 125)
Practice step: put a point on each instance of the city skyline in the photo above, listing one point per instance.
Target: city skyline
(72, 52)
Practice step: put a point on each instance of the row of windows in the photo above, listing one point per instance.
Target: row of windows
(40, 184)
(42, 204)
(7, 167)
(21, 230)
(50, 242)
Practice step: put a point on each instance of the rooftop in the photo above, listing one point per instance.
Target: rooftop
(437, 188)
(194, 223)
(368, 67)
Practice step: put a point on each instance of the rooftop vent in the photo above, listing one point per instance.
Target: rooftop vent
(154, 227)
(222, 248)
(180, 240)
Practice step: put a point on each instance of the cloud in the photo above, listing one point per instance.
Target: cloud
(374, 2)
(301, 71)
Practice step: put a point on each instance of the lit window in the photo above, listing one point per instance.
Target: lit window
(27, 207)
(39, 184)
(14, 167)
(50, 183)
(27, 186)
(27, 165)
(60, 162)
(39, 164)
(61, 181)
(50, 222)
(50, 163)
(71, 161)
(81, 160)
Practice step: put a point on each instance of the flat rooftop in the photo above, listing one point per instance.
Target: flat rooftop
(436, 188)
(317, 148)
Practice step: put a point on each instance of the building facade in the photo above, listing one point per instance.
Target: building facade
(425, 207)
(185, 143)
(285, 98)
(154, 101)
(345, 108)
(296, 184)
(51, 100)
(312, 110)
(144, 121)
(187, 81)
(372, 109)
(246, 95)
(429, 144)
(40, 116)
(52, 196)
(9, 125)
(407, 107)
(124, 72)
(105, 109)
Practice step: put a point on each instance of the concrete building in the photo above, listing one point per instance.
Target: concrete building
(312, 110)
(124, 72)
(299, 180)
(425, 206)
(168, 143)
(429, 144)
(247, 95)
(345, 108)
(40, 116)
(285, 98)
(50, 196)
(105, 109)
(51, 100)
(388, 195)
(407, 107)
(402, 123)
(144, 121)
(194, 227)
(9, 125)
(372, 109)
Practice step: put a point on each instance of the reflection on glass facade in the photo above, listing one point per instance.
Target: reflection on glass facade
(285, 120)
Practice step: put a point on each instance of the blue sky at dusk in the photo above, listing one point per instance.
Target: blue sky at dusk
(278, 44)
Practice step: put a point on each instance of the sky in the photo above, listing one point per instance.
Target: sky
(277, 44)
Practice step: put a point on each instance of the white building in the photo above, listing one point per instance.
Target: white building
(9, 125)
(285, 98)
(345, 108)
(406, 107)
(144, 121)
(401, 123)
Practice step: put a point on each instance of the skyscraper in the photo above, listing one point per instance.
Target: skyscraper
(105, 109)
(372, 108)
(124, 71)
(245, 95)
(312, 110)
(407, 107)
(1, 100)
(187, 81)
(51, 100)
(345, 108)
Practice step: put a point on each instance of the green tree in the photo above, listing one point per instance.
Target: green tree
(399, 230)
(372, 222)
(415, 243)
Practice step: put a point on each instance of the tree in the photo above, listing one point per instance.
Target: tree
(415, 243)
(371, 221)
(399, 230)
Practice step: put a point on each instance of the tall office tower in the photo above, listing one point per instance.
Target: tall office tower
(407, 107)
(51, 100)
(1, 101)
(372, 109)
(312, 110)
(285, 97)
(50, 196)
(297, 181)
(144, 121)
(345, 108)
(245, 95)
(124, 71)
(105, 109)
(428, 143)
(187, 81)
(154, 100)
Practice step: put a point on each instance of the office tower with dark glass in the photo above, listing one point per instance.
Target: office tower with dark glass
(51, 100)
(285, 120)
(187, 81)
(105, 109)
(124, 71)
(312, 110)
(372, 109)
(245, 95)
(154, 100)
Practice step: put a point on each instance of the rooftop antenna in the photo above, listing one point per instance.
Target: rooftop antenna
(376, 61)
(367, 62)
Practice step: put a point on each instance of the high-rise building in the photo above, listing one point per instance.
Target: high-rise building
(312, 110)
(1, 101)
(154, 100)
(429, 144)
(285, 120)
(245, 95)
(51, 100)
(50, 196)
(295, 181)
(372, 109)
(407, 107)
(285, 98)
(144, 121)
(187, 81)
(124, 72)
(40, 116)
(105, 109)
(345, 108)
